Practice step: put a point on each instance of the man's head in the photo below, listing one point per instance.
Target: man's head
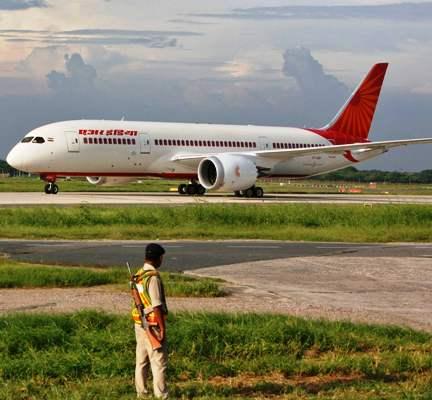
(154, 254)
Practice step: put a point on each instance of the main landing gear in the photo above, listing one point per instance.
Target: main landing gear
(51, 188)
(192, 189)
(254, 191)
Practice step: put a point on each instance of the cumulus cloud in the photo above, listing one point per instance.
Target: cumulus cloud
(79, 75)
(397, 11)
(319, 89)
(22, 4)
(36, 62)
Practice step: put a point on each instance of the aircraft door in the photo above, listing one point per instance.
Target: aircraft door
(72, 140)
(264, 143)
(145, 146)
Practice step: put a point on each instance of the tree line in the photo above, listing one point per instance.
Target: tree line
(350, 174)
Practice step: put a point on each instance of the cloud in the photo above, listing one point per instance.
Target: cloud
(147, 38)
(22, 4)
(397, 11)
(36, 62)
(319, 91)
(79, 76)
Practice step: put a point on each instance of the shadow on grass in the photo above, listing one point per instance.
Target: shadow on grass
(258, 387)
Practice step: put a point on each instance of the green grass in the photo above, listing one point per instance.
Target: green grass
(309, 186)
(90, 355)
(23, 275)
(313, 222)
(26, 184)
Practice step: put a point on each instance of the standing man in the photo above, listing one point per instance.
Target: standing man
(150, 332)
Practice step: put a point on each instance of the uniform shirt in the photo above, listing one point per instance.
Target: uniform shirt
(155, 290)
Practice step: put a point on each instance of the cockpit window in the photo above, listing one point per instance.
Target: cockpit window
(27, 139)
(38, 139)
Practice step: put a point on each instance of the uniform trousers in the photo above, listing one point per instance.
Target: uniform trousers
(157, 360)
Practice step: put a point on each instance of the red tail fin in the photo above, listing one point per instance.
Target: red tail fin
(354, 119)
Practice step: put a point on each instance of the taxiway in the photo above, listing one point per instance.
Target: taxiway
(134, 198)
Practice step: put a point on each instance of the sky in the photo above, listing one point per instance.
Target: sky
(264, 62)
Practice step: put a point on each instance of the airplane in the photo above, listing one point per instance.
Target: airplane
(212, 157)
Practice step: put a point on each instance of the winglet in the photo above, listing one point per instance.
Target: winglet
(354, 119)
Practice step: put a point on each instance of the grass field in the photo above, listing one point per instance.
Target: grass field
(23, 275)
(90, 355)
(25, 184)
(350, 223)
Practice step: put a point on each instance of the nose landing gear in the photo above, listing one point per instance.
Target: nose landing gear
(51, 188)
(193, 188)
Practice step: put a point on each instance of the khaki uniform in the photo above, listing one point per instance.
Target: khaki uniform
(146, 357)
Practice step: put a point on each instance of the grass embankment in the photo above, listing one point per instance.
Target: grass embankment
(90, 355)
(22, 275)
(309, 186)
(81, 185)
(314, 222)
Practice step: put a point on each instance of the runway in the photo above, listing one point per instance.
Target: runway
(191, 255)
(359, 282)
(8, 199)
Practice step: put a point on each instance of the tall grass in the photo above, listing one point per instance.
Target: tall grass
(81, 353)
(379, 223)
(23, 275)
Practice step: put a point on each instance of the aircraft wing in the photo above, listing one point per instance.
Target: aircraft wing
(286, 154)
(283, 154)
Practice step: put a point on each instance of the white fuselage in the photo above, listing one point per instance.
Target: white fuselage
(123, 148)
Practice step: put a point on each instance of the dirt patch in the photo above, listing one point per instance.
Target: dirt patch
(383, 290)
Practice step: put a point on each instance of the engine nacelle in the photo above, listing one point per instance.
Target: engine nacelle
(227, 172)
(109, 180)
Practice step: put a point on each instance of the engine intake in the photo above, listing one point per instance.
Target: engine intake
(227, 172)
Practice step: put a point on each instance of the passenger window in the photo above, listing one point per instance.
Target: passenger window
(109, 141)
(85, 140)
(90, 140)
(27, 139)
(39, 140)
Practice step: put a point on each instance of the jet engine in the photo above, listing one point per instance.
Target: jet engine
(227, 172)
(109, 180)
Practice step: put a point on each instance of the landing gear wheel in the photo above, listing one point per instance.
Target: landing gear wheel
(191, 189)
(47, 188)
(259, 192)
(51, 188)
(200, 190)
(182, 189)
(237, 193)
(249, 193)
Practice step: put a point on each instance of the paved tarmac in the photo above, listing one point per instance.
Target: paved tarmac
(191, 255)
(116, 198)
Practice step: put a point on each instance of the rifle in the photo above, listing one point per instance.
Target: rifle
(154, 340)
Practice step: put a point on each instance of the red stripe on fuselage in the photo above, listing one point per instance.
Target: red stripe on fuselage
(52, 176)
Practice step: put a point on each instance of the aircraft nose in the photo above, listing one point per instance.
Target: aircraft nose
(13, 159)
